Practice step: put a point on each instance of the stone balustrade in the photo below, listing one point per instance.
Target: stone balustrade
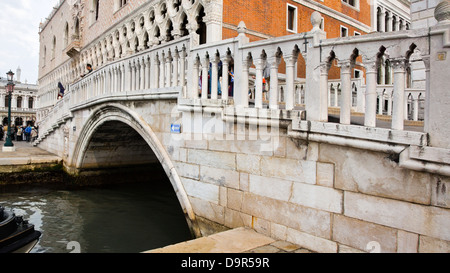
(202, 72)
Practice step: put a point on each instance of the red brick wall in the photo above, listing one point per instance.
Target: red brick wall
(269, 17)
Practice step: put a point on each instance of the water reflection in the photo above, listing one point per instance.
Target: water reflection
(114, 219)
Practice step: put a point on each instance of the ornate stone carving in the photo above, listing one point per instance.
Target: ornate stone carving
(442, 11)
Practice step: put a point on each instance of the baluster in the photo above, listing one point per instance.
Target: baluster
(205, 67)
(274, 63)
(147, 72)
(142, 75)
(346, 91)
(154, 80)
(259, 63)
(225, 66)
(291, 61)
(162, 70)
(175, 75)
(168, 79)
(371, 93)
(214, 76)
(195, 78)
(399, 93)
(183, 66)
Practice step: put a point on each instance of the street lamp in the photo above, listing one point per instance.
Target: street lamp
(9, 146)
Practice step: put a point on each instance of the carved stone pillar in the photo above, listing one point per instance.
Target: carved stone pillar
(291, 61)
(205, 67)
(259, 63)
(398, 115)
(274, 63)
(346, 91)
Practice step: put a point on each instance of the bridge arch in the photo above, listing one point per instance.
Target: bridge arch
(118, 113)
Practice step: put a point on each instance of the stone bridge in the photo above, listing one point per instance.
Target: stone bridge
(287, 166)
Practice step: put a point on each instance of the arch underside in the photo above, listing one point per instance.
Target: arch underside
(115, 136)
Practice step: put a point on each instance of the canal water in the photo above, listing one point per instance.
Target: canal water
(120, 218)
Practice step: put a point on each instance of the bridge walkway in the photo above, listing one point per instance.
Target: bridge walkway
(26, 154)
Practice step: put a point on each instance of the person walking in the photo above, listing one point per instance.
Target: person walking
(27, 133)
(33, 134)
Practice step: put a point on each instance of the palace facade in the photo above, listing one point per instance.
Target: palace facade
(23, 102)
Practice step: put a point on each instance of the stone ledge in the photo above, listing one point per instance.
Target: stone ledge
(385, 135)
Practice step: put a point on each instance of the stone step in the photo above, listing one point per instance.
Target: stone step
(239, 240)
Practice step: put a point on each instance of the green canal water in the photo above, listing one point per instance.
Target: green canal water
(121, 218)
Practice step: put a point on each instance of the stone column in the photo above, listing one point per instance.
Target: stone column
(382, 20)
(399, 66)
(162, 69)
(195, 79)
(243, 89)
(142, 76)
(291, 61)
(175, 75)
(214, 77)
(154, 79)
(205, 68)
(389, 22)
(168, 79)
(336, 96)
(259, 63)
(128, 75)
(213, 20)
(381, 101)
(370, 115)
(415, 108)
(225, 66)
(124, 77)
(274, 63)
(346, 91)
(182, 78)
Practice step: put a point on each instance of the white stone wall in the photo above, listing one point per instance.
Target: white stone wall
(422, 13)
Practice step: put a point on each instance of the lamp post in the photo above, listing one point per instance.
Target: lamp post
(9, 146)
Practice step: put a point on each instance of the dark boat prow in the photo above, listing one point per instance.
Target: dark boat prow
(16, 234)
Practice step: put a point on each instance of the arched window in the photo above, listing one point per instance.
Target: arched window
(379, 13)
(44, 56)
(66, 35)
(30, 103)
(394, 23)
(201, 31)
(54, 47)
(6, 101)
(19, 102)
(96, 8)
(119, 4)
(77, 29)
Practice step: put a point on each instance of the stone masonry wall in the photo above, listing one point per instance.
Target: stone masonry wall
(324, 197)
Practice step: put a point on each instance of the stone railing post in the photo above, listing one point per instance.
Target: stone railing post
(437, 122)
(274, 63)
(371, 93)
(225, 66)
(316, 95)
(241, 67)
(205, 68)
(259, 63)
(214, 76)
(346, 91)
(398, 114)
